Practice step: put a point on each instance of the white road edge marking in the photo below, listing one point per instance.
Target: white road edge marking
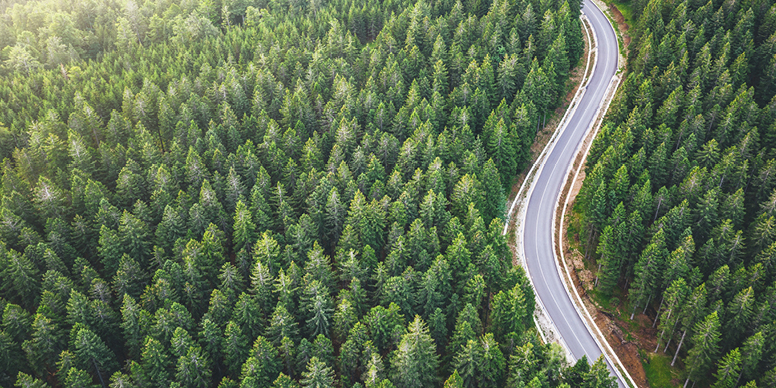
(540, 162)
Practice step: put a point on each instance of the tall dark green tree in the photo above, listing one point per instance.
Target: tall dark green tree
(705, 343)
(415, 361)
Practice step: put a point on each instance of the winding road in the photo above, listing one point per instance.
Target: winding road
(538, 223)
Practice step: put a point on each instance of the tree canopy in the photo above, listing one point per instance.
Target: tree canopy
(678, 202)
(249, 193)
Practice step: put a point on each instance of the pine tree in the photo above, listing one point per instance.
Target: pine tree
(133, 319)
(284, 381)
(599, 376)
(509, 313)
(180, 342)
(466, 360)
(415, 361)
(244, 228)
(49, 200)
(494, 200)
(691, 312)
(92, 354)
(111, 249)
(20, 279)
(454, 381)
(728, 370)
(155, 362)
(210, 339)
(262, 366)
(740, 310)
(24, 380)
(262, 281)
(647, 272)
(281, 325)
(670, 315)
(248, 315)
(193, 369)
(317, 375)
(318, 306)
(491, 364)
(234, 348)
(705, 348)
(335, 214)
(751, 354)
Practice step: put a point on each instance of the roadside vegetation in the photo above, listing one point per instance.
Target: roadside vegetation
(253, 194)
(677, 208)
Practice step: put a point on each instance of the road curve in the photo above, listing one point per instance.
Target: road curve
(538, 224)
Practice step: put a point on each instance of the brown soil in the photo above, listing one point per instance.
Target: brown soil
(621, 25)
(583, 279)
(545, 134)
(611, 327)
(626, 346)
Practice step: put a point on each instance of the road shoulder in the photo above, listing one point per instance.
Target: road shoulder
(524, 186)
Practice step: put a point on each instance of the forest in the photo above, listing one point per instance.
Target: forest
(233, 193)
(679, 200)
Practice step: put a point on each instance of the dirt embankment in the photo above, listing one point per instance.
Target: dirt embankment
(625, 342)
(545, 133)
(621, 25)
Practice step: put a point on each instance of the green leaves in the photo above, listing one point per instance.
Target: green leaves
(296, 171)
(705, 347)
(510, 314)
(93, 355)
(415, 360)
(262, 366)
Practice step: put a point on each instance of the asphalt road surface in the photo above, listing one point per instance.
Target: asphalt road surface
(537, 237)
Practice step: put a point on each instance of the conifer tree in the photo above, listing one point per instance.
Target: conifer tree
(705, 348)
(728, 370)
(193, 369)
(262, 366)
(599, 376)
(317, 375)
(244, 228)
(415, 361)
(234, 347)
(155, 362)
(648, 271)
(92, 354)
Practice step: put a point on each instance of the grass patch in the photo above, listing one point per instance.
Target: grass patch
(659, 372)
(626, 9)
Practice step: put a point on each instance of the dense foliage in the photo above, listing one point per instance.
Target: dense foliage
(679, 200)
(271, 194)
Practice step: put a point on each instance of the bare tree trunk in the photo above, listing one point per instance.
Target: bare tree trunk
(99, 375)
(589, 242)
(596, 275)
(646, 305)
(661, 336)
(686, 381)
(657, 210)
(671, 336)
(678, 348)
(654, 324)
